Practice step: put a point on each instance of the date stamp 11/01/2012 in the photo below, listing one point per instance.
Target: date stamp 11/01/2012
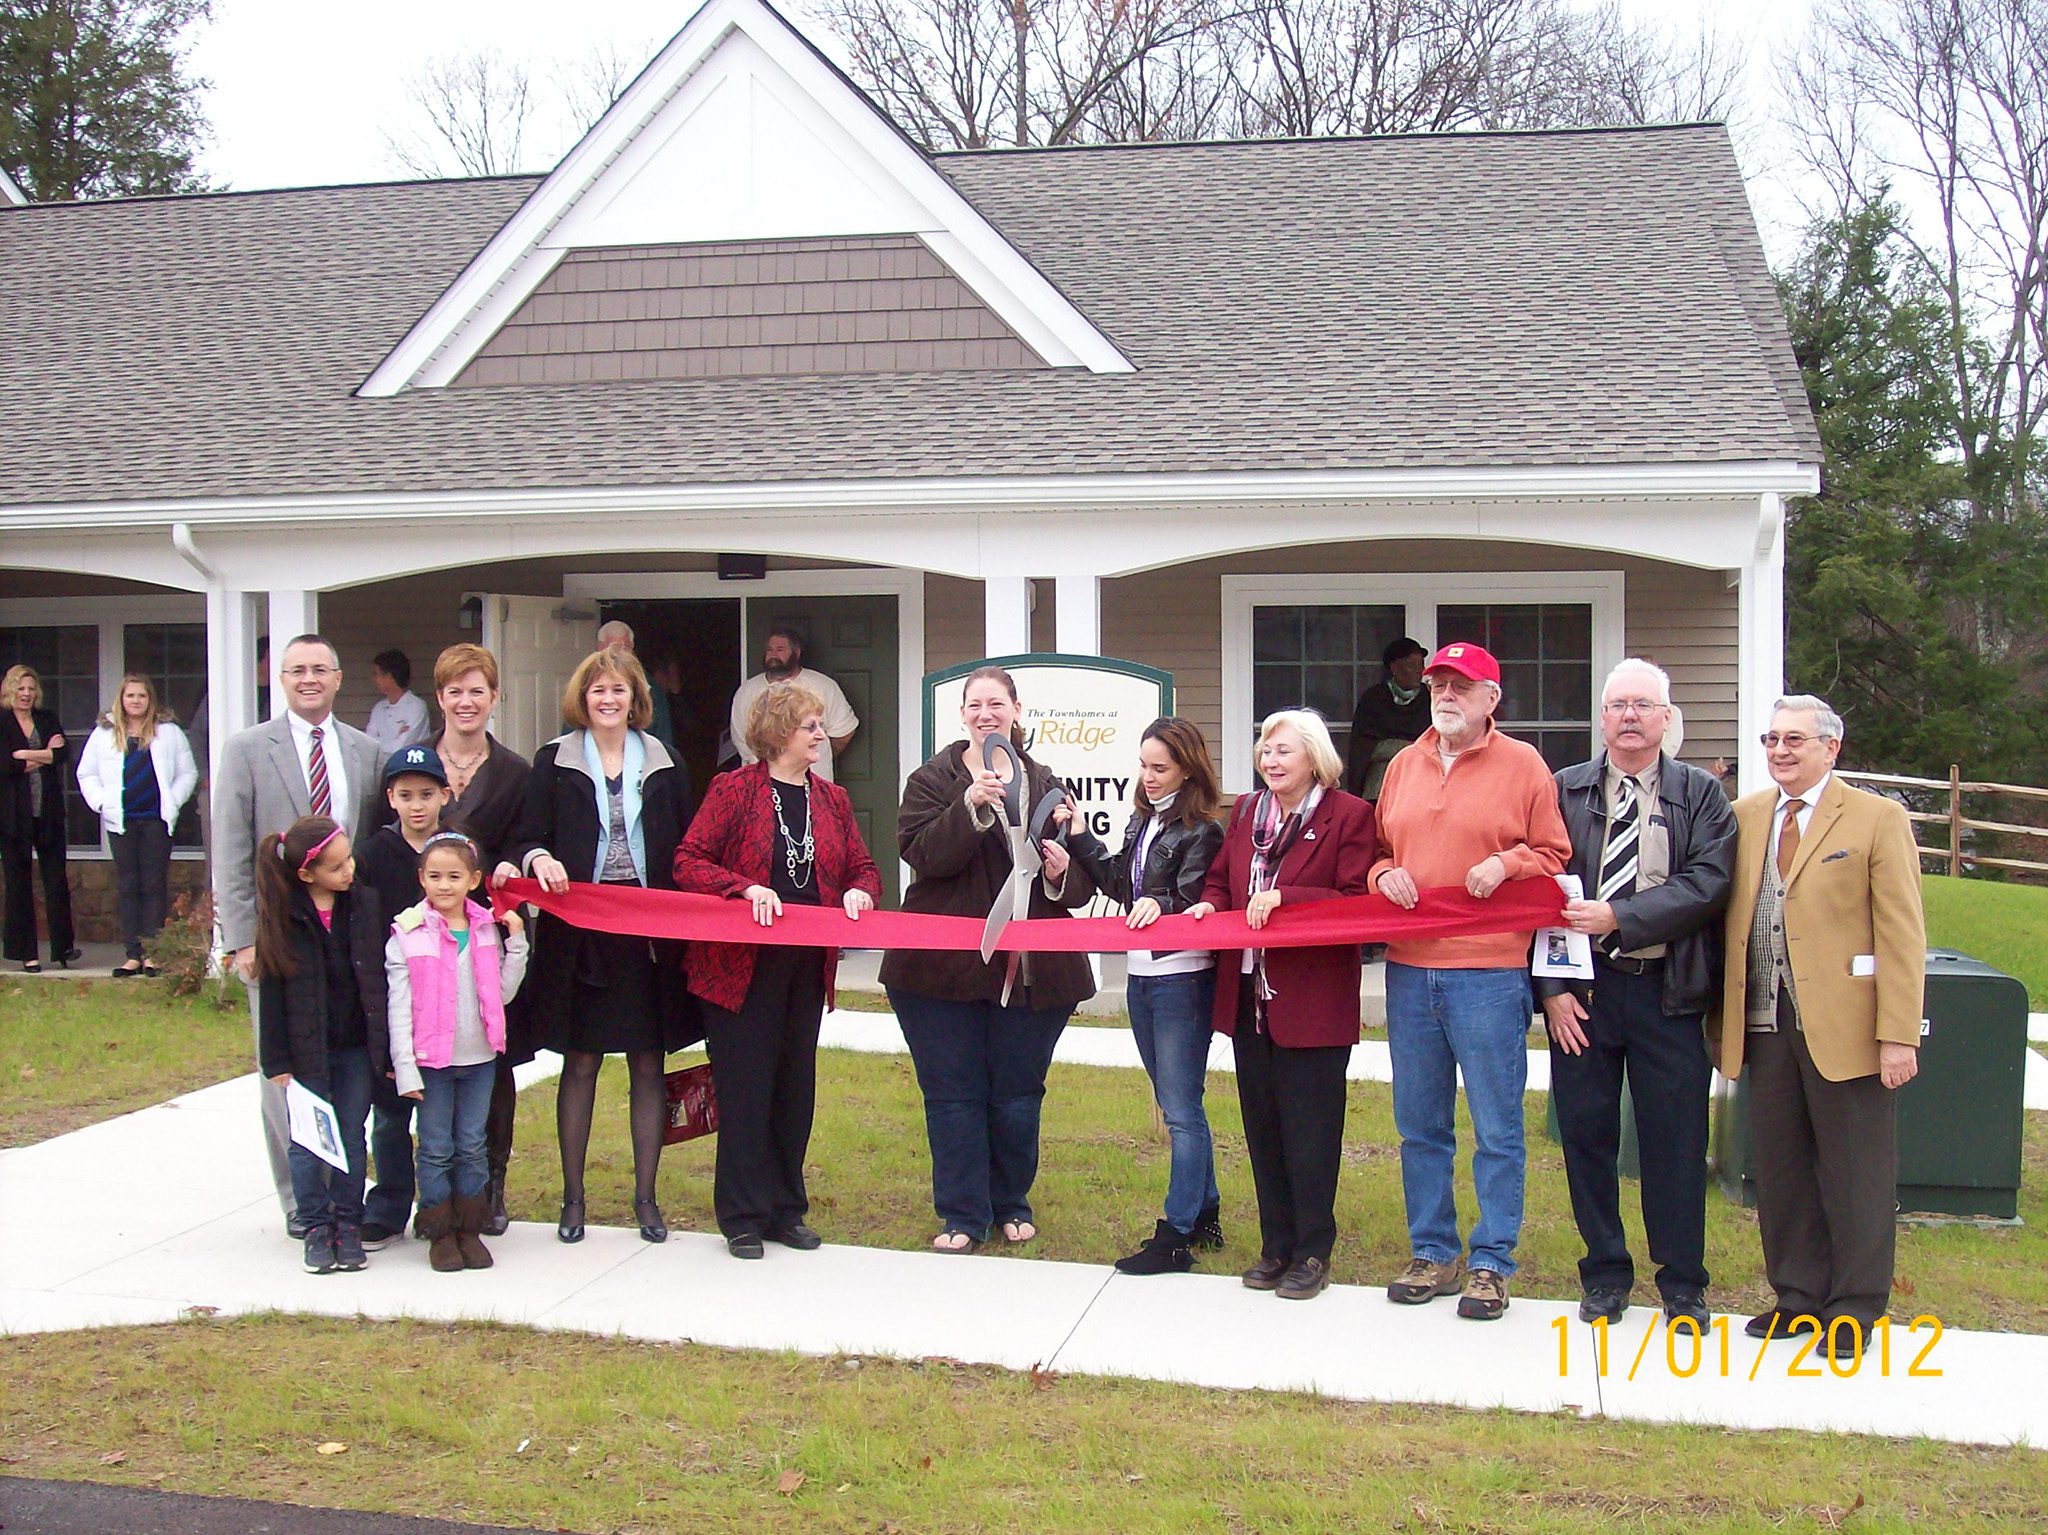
(1692, 1353)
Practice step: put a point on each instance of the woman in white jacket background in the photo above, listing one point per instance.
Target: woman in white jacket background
(137, 771)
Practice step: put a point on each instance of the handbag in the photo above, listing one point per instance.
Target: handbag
(692, 1104)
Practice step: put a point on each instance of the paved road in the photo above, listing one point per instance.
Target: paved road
(79, 1508)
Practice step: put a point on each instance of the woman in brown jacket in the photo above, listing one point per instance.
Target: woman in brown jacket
(981, 1065)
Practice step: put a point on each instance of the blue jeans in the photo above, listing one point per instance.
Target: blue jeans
(982, 1070)
(454, 1114)
(389, 1202)
(1441, 1023)
(1170, 1022)
(325, 1195)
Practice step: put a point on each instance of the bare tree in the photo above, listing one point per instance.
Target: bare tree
(587, 86)
(1944, 105)
(473, 110)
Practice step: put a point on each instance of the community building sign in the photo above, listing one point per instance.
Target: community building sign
(1083, 718)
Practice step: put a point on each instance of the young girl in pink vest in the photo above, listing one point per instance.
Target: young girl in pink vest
(450, 977)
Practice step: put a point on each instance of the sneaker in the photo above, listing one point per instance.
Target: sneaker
(348, 1247)
(1485, 1297)
(1423, 1281)
(295, 1227)
(376, 1236)
(1208, 1232)
(320, 1250)
(1603, 1303)
(1305, 1280)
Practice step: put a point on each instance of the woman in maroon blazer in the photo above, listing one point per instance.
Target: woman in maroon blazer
(1292, 1014)
(770, 834)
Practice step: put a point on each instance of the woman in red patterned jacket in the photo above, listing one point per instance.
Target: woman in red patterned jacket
(770, 834)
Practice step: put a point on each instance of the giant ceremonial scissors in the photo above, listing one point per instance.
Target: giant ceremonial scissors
(1027, 857)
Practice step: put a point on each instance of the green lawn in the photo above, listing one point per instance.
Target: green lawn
(1103, 1171)
(2006, 926)
(74, 1052)
(559, 1432)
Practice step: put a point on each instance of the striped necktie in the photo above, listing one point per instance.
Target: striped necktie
(1619, 863)
(316, 776)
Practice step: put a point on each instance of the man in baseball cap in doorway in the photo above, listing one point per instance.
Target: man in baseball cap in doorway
(1464, 805)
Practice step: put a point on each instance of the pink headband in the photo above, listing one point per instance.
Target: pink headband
(312, 853)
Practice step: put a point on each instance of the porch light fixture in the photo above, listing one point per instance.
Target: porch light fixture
(743, 567)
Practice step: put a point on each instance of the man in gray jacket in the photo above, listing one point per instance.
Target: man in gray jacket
(1653, 840)
(305, 762)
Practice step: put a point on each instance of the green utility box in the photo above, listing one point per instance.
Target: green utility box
(1960, 1118)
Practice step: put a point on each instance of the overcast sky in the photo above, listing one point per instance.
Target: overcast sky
(304, 94)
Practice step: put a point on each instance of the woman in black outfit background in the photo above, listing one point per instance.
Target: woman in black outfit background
(606, 804)
(32, 754)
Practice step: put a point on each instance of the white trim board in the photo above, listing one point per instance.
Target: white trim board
(10, 192)
(1421, 593)
(738, 130)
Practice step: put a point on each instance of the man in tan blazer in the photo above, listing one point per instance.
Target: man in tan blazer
(1826, 960)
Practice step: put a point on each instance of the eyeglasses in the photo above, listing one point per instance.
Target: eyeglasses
(1631, 705)
(294, 673)
(1791, 740)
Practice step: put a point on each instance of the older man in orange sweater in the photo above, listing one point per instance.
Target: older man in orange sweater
(1465, 805)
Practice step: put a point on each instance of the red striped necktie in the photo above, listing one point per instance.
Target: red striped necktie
(316, 774)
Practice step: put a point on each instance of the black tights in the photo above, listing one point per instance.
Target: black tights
(576, 1102)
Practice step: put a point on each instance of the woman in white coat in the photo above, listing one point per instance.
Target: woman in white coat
(137, 772)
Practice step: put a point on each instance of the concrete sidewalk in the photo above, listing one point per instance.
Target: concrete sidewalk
(209, 1239)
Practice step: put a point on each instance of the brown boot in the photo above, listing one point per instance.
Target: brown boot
(437, 1224)
(471, 1211)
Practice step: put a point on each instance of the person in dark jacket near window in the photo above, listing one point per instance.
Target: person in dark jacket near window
(981, 1065)
(1172, 839)
(605, 804)
(32, 755)
(1391, 713)
(772, 834)
(1653, 840)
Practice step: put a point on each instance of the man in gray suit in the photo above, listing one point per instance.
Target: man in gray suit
(305, 762)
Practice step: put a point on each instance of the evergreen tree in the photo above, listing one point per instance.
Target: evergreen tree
(95, 100)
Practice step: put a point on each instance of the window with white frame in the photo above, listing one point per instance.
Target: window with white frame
(1317, 640)
(81, 646)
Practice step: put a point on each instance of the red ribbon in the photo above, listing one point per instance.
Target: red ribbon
(1520, 906)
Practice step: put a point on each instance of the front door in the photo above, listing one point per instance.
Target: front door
(853, 641)
(538, 641)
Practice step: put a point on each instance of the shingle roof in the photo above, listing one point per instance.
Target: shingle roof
(1449, 301)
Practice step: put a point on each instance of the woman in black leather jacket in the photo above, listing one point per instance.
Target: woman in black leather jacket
(1168, 847)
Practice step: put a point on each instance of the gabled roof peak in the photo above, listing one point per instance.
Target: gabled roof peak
(738, 130)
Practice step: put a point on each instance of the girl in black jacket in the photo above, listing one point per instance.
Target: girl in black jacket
(321, 1017)
(1172, 839)
(32, 754)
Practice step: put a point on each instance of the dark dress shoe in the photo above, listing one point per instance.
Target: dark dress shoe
(1266, 1274)
(1692, 1305)
(652, 1227)
(69, 956)
(125, 972)
(796, 1234)
(570, 1227)
(1305, 1280)
(1759, 1326)
(746, 1245)
(1603, 1303)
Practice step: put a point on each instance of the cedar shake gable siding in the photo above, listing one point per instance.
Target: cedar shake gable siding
(758, 308)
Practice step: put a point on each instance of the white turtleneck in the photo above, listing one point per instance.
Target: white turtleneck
(1140, 961)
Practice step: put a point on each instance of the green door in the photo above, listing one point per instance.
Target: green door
(852, 640)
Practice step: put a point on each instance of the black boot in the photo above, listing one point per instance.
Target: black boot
(496, 1221)
(1208, 1232)
(1166, 1253)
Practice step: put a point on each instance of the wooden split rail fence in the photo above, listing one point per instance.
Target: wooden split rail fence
(1955, 855)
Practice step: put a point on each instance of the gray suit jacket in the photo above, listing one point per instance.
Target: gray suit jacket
(261, 789)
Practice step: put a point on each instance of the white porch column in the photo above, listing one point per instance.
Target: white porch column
(1077, 615)
(292, 612)
(1006, 615)
(230, 669)
(1761, 672)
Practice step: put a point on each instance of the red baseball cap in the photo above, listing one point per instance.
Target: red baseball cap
(1467, 661)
